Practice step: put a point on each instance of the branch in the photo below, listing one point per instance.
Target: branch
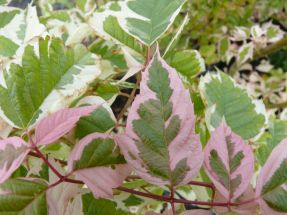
(33, 154)
(130, 99)
(183, 201)
(270, 49)
(39, 153)
(270, 105)
(172, 200)
(133, 93)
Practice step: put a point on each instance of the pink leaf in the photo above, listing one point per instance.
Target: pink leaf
(244, 209)
(272, 179)
(197, 212)
(13, 151)
(160, 141)
(166, 212)
(229, 162)
(59, 197)
(57, 124)
(101, 170)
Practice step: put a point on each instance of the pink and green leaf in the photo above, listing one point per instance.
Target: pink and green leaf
(160, 141)
(229, 162)
(58, 124)
(23, 196)
(97, 162)
(13, 152)
(243, 209)
(271, 184)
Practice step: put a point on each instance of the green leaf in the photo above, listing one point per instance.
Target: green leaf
(132, 200)
(99, 121)
(172, 43)
(23, 197)
(3, 2)
(189, 63)
(272, 192)
(152, 18)
(277, 199)
(92, 206)
(99, 152)
(6, 17)
(20, 172)
(54, 78)
(278, 178)
(278, 131)
(7, 48)
(81, 4)
(225, 100)
(107, 26)
(272, 179)
(107, 91)
(135, 184)
(113, 28)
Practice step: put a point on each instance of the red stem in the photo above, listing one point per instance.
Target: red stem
(39, 153)
(148, 195)
(57, 183)
(202, 184)
(172, 201)
(183, 201)
(37, 156)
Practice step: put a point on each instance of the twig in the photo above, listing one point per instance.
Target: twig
(130, 99)
(202, 184)
(37, 156)
(270, 105)
(124, 94)
(172, 201)
(40, 155)
(270, 49)
(168, 199)
(133, 93)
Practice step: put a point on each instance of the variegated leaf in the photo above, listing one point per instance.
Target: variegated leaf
(18, 28)
(188, 63)
(277, 131)
(160, 141)
(60, 198)
(227, 100)
(13, 151)
(273, 32)
(229, 162)
(244, 209)
(197, 212)
(49, 79)
(101, 120)
(92, 206)
(5, 129)
(106, 24)
(56, 125)
(96, 161)
(176, 37)
(272, 181)
(145, 20)
(23, 196)
(245, 52)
